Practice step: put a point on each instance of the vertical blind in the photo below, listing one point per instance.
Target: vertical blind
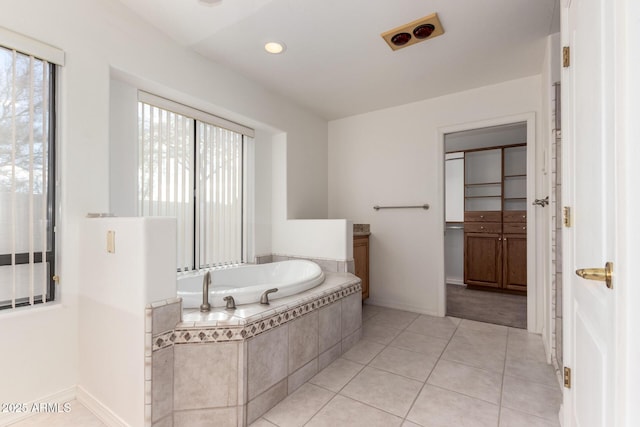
(165, 175)
(192, 169)
(26, 179)
(220, 196)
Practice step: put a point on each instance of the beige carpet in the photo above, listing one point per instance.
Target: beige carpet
(490, 307)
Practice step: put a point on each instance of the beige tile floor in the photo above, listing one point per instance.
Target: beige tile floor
(413, 370)
(79, 416)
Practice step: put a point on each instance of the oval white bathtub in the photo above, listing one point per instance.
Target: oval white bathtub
(247, 283)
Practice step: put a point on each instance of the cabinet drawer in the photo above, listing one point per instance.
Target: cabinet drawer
(514, 228)
(483, 227)
(514, 216)
(483, 216)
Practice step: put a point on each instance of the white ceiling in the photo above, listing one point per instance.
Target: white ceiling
(336, 63)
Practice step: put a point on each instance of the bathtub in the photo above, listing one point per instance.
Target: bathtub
(247, 283)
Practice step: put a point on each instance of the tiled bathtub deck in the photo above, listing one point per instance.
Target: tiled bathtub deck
(228, 367)
(414, 370)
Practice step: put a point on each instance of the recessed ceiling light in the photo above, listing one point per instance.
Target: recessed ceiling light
(274, 47)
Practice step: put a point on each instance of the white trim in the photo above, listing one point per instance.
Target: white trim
(62, 396)
(193, 113)
(384, 302)
(31, 46)
(98, 409)
(627, 248)
(535, 297)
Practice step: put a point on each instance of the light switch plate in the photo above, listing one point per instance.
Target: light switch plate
(111, 242)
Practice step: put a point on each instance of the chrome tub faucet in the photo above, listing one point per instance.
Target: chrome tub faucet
(264, 298)
(206, 281)
(231, 303)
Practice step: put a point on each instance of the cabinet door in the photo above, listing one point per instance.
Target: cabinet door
(483, 259)
(361, 262)
(515, 261)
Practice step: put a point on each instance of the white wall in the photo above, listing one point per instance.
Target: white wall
(392, 157)
(329, 239)
(101, 39)
(115, 289)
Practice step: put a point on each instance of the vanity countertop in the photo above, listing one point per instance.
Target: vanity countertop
(361, 230)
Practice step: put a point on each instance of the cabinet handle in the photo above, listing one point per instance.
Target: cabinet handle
(499, 238)
(481, 216)
(482, 227)
(524, 228)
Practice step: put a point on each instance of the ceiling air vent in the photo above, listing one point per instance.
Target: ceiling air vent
(414, 32)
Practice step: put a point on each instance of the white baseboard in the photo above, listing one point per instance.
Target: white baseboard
(452, 281)
(61, 396)
(399, 306)
(105, 414)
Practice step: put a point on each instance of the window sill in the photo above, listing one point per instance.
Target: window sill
(32, 310)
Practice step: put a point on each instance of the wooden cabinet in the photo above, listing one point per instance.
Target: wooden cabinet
(361, 261)
(495, 230)
(482, 259)
(514, 249)
(495, 250)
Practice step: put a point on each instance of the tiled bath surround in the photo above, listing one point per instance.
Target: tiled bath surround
(227, 368)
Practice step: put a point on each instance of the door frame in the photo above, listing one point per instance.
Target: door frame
(535, 295)
(627, 37)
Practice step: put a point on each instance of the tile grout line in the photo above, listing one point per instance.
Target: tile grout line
(475, 367)
(504, 373)
(431, 372)
(324, 388)
(403, 418)
(384, 347)
(342, 388)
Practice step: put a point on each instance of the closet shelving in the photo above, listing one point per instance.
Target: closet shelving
(495, 199)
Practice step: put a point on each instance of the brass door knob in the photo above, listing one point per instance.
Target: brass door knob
(600, 274)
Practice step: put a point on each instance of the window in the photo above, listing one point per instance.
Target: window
(27, 170)
(192, 167)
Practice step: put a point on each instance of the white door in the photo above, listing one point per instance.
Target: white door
(589, 190)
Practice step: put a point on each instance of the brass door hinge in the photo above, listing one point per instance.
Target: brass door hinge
(567, 377)
(566, 216)
(566, 56)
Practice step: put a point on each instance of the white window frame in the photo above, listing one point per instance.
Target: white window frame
(51, 57)
(201, 117)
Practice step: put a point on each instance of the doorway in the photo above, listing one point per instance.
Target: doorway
(489, 244)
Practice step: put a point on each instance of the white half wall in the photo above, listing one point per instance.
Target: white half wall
(393, 157)
(309, 238)
(328, 239)
(116, 288)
